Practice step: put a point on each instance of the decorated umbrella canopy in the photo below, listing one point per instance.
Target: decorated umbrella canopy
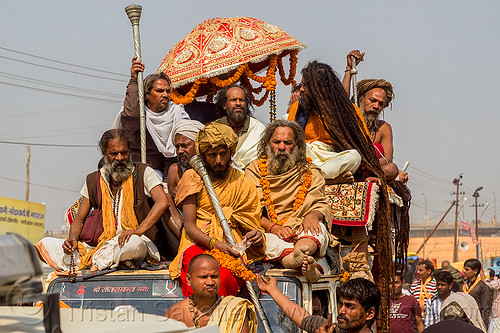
(222, 51)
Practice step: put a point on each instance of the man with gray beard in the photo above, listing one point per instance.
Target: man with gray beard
(292, 193)
(374, 95)
(233, 104)
(120, 189)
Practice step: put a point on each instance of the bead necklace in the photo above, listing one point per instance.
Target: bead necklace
(116, 204)
(72, 269)
(194, 310)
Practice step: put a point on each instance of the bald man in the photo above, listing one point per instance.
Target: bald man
(205, 307)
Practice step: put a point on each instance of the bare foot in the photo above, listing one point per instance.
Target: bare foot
(309, 268)
(345, 178)
(295, 259)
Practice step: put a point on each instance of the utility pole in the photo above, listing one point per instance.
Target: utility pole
(28, 175)
(425, 226)
(456, 182)
(495, 206)
(478, 248)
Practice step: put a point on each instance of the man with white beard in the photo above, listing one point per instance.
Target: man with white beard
(292, 193)
(128, 223)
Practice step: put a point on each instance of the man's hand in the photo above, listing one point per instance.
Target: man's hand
(310, 224)
(403, 177)
(357, 55)
(226, 248)
(255, 238)
(70, 245)
(281, 232)
(137, 66)
(294, 97)
(266, 285)
(125, 236)
(374, 180)
(325, 329)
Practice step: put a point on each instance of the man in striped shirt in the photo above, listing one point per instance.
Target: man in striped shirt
(444, 283)
(424, 288)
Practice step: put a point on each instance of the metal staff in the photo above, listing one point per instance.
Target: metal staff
(134, 15)
(197, 164)
(354, 71)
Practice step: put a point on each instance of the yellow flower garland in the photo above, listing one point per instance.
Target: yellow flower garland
(266, 191)
(233, 264)
(268, 81)
(293, 68)
(189, 97)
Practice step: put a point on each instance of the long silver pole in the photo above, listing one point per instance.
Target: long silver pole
(197, 164)
(354, 72)
(134, 15)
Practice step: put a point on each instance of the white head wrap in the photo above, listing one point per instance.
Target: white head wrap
(468, 305)
(187, 127)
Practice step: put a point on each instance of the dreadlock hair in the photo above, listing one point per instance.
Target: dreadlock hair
(300, 139)
(366, 85)
(330, 102)
(221, 99)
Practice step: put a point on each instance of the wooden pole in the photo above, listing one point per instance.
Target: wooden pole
(28, 174)
(437, 225)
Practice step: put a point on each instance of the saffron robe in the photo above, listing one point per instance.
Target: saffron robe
(240, 204)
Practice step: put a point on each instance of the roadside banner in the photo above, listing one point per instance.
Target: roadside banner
(22, 217)
(473, 234)
(464, 228)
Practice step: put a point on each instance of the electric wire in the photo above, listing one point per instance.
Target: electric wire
(58, 85)
(62, 62)
(61, 93)
(40, 185)
(62, 70)
(47, 144)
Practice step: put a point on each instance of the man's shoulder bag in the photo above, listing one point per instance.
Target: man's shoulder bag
(92, 226)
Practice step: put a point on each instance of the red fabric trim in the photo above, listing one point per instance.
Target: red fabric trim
(318, 244)
(360, 223)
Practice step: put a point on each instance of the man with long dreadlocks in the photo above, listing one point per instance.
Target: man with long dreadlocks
(374, 95)
(327, 114)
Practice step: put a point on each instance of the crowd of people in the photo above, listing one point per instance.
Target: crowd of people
(445, 299)
(270, 184)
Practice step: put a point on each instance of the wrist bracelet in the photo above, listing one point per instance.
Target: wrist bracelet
(347, 70)
(211, 243)
(275, 224)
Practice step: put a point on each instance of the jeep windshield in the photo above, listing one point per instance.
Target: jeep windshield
(155, 293)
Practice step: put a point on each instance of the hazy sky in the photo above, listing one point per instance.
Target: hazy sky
(439, 55)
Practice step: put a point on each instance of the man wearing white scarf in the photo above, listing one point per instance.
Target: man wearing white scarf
(161, 116)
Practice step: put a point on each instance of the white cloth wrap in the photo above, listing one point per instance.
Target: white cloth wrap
(275, 245)
(248, 144)
(331, 163)
(109, 255)
(187, 127)
(160, 125)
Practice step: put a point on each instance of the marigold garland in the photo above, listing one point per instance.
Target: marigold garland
(224, 83)
(266, 191)
(189, 97)
(293, 68)
(233, 264)
(243, 73)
